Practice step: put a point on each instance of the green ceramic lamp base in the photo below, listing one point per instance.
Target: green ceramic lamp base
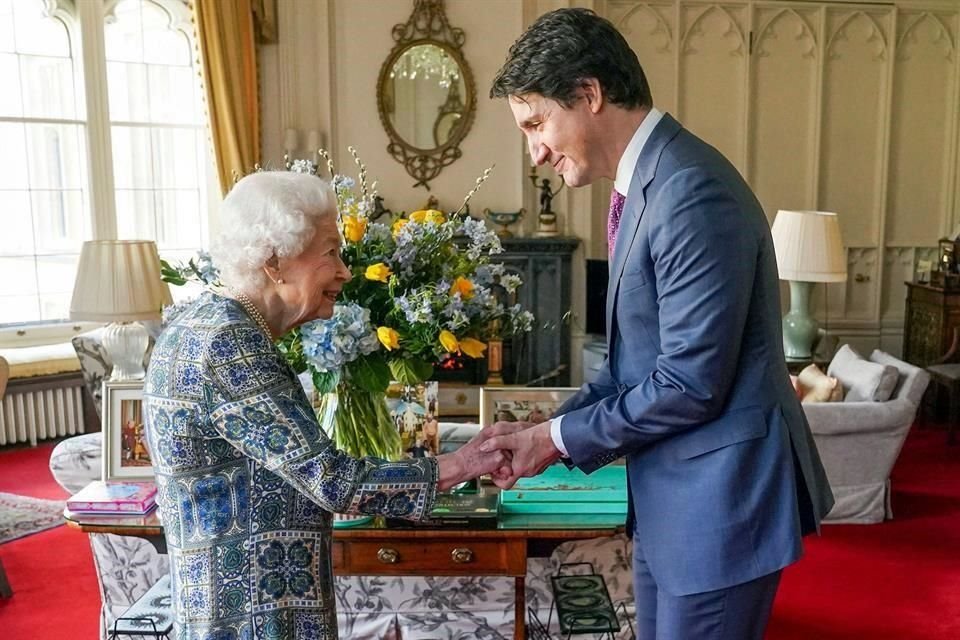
(800, 329)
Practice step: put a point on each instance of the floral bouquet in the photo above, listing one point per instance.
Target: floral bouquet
(423, 288)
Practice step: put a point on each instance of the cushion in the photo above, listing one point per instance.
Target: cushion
(816, 386)
(43, 360)
(864, 381)
(796, 386)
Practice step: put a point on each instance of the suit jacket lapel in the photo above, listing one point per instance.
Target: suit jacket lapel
(635, 205)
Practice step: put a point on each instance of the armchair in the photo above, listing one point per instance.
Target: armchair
(860, 441)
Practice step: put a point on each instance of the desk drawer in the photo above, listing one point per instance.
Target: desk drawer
(450, 557)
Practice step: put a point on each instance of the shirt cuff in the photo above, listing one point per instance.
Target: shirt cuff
(557, 437)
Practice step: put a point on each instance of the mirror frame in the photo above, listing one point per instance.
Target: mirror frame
(427, 25)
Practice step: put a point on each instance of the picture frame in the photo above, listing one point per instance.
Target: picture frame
(125, 452)
(414, 411)
(516, 403)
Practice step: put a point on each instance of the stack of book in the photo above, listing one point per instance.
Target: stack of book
(115, 498)
(466, 510)
(458, 511)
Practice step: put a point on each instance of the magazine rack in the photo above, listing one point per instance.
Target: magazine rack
(583, 606)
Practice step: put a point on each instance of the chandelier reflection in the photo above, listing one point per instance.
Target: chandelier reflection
(426, 62)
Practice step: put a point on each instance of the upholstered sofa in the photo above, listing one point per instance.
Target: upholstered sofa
(368, 607)
(860, 438)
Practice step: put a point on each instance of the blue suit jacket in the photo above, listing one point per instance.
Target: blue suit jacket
(723, 472)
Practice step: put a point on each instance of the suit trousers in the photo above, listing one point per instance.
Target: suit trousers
(740, 612)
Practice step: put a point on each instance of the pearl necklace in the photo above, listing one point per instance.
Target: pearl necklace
(252, 311)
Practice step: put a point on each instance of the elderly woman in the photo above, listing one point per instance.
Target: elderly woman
(247, 479)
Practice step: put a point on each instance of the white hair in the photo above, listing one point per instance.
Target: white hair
(265, 214)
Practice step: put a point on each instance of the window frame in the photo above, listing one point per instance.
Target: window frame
(85, 22)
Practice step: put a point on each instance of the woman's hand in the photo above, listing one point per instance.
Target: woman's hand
(470, 462)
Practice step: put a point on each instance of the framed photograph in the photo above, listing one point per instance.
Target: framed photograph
(125, 453)
(414, 411)
(521, 404)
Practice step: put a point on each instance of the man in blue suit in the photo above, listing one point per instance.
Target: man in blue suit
(723, 474)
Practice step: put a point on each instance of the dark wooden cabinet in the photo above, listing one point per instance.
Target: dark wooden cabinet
(931, 316)
(541, 357)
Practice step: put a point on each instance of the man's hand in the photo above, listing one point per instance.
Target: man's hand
(531, 450)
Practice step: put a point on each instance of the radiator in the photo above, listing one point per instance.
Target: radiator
(40, 408)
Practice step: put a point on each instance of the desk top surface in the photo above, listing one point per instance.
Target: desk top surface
(548, 525)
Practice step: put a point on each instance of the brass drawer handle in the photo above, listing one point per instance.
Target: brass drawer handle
(386, 555)
(462, 555)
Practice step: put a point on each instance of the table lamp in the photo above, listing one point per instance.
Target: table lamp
(809, 249)
(118, 281)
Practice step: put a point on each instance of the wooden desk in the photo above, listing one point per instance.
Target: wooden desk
(373, 550)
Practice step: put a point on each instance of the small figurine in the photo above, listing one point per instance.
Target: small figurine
(378, 209)
(546, 196)
(547, 218)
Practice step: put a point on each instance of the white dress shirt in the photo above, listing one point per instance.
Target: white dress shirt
(628, 162)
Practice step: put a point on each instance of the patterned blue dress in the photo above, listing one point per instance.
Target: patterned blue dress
(247, 482)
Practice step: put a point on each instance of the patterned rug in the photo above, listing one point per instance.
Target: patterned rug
(20, 515)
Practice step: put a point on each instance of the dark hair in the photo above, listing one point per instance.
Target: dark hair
(565, 47)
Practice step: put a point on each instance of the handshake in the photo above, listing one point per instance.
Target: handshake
(507, 451)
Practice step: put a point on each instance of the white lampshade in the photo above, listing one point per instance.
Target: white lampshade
(809, 247)
(118, 281)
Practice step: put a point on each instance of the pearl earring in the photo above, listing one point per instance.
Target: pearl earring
(279, 280)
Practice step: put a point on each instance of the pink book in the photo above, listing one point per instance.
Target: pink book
(115, 497)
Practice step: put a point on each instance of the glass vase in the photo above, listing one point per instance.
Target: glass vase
(360, 422)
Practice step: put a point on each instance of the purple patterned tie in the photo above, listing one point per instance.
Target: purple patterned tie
(613, 219)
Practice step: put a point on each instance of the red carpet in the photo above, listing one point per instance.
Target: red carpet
(896, 580)
(899, 580)
(55, 593)
(25, 471)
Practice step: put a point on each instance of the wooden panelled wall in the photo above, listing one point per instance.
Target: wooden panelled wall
(832, 106)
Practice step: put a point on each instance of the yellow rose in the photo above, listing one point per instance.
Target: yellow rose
(378, 272)
(354, 227)
(472, 347)
(388, 338)
(428, 215)
(398, 225)
(449, 341)
(462, 286)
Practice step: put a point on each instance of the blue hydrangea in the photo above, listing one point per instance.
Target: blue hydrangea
(347, 335)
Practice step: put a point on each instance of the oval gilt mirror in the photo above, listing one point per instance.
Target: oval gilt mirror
(425, 93)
